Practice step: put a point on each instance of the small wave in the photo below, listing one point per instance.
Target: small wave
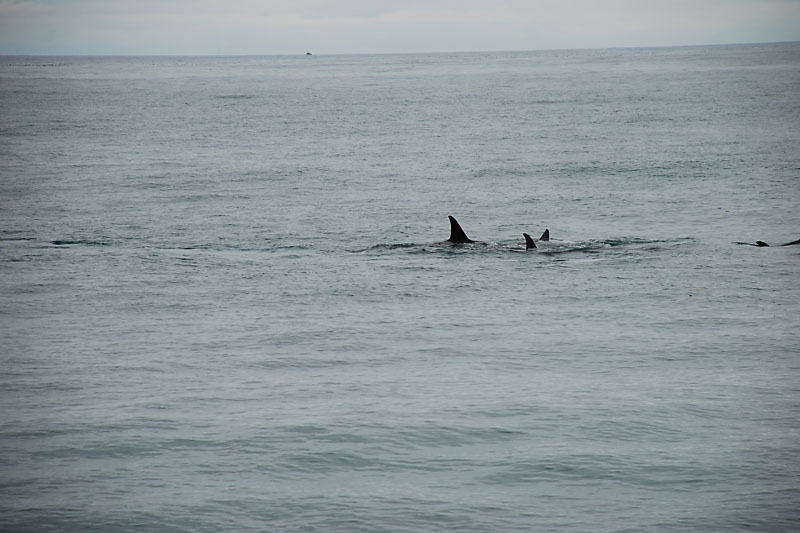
(235, 97)
(571, 249)
(40, 65)
(289, 247)
(17, 239)
(84, 242)
(378, 247)
(629, 241)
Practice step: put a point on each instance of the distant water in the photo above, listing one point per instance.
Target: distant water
(223, 308)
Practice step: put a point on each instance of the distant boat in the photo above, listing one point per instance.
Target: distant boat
(308, 53)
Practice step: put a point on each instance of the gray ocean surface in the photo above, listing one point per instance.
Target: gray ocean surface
(224, 305)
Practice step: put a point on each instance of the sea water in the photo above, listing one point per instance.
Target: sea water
(225, 305)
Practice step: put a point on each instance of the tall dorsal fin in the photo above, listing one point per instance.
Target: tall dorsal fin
(529, 244)
(545, 236)
(457, 234)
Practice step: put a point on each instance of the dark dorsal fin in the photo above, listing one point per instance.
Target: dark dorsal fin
(791, 243)
(761, 243)
(545, 236)
(457, 234)
(529, 244)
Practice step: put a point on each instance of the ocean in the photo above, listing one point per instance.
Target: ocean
(225, 303)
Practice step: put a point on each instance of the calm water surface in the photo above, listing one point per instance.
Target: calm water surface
(224, 305)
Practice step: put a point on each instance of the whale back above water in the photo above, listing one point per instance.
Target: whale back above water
(457, 235)
(762, 243)
(529, 244)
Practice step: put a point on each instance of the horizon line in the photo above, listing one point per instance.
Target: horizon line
(306, 53)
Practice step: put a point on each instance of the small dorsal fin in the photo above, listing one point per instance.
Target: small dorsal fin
(761, 243)
(545, 236)
(457, 234)
(529, 244)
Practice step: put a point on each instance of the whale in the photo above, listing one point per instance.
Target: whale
(457, 234)
(529, 242)
(545, 236)
(762, 243)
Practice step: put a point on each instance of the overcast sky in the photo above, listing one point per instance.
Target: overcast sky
(214, 27)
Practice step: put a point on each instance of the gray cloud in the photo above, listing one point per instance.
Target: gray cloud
(353, 26)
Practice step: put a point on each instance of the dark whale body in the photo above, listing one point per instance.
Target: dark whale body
(762, 243)
(530, 245)
(457, 235)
